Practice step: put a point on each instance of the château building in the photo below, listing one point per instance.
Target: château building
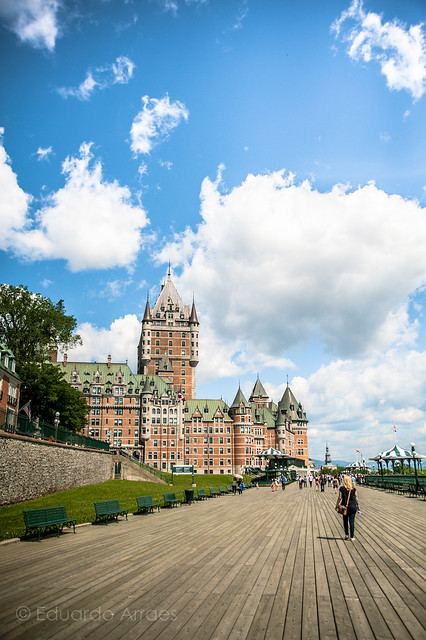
(156, 413)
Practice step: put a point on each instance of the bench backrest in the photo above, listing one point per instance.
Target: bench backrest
(201, 492)
(169, 497)
(106, 507)
(34, 517)
(145, 501)
(222, 489)
(213, 491)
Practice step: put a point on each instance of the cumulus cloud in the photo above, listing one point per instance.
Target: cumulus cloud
(35, 22)
(354, 403)
(275, 264)
(400, 51)
(155, 122)
(90, 223)
(119, 72)
(119, 341)
(14, 201)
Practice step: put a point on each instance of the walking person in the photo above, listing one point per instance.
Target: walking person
(234, 486)
(283, 481)
(323, 482)
(335, 484)
(272, 485)
(348, 498)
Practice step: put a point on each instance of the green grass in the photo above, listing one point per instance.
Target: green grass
(79, 502)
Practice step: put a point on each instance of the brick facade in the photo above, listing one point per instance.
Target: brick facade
(156, 413)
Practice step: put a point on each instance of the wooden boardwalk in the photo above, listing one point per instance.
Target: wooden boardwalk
(259, 566)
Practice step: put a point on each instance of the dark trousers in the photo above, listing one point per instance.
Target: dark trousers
(283, 485)
(349, 523)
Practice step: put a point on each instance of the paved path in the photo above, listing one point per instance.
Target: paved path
(261, 566)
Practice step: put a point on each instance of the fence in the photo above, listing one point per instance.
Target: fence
(21, 425)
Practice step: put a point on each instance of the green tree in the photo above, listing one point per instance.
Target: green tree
(29, 323)
(48, 392)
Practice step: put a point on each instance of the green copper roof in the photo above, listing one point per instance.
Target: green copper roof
(86, 373)
(258, 390)
(207, 408)
(239, 399)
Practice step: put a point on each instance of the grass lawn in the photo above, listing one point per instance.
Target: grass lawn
(79, 502)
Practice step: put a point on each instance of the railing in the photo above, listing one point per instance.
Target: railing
(155, 472)
(21, 425)
(396, 482)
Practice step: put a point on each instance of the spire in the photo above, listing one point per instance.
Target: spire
(165, 365)
(239, 398)
(193, 319)
(169, 272)
(147, 317)
(258, 391)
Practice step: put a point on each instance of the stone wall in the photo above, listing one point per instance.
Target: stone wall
(30, 468)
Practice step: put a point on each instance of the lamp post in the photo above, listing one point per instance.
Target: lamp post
(381, 468)
(413, 453)
(56, 423)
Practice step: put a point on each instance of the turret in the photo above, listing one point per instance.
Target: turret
(193, 327)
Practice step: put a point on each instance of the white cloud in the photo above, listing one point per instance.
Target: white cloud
(354, 403)
(14, 201)
(90, 223)
(154, 123)
(119, 341)
(119, 72)
(401, 52)
(42, 154)
(35, 22)
(275, 264)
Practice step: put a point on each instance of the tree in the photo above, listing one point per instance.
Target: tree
(48, 392)
(30, 323)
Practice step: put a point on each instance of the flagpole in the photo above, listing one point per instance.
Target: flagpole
(394, 432)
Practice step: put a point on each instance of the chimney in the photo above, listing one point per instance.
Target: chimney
(65, 360)
(109, 362)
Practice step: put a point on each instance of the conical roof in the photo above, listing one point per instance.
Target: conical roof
(258, 391)
(169, 294)
(165, 364)
(239, 399)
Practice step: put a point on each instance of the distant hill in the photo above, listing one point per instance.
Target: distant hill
(338, 463)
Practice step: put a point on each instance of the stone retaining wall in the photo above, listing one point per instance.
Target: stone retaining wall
(30, 468)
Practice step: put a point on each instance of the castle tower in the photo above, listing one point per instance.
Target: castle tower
(292, 419)
(170, 328)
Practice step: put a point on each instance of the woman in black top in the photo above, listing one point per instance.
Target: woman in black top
(345, 490)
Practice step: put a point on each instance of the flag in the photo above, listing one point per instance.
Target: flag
(357, 450)
(394, 428)
(27, 409)
(181, 396)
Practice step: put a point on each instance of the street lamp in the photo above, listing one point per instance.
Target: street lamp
(413, 453)
(381, 467)
(56, 423)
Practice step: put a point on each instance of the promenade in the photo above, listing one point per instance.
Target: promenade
(258, 566)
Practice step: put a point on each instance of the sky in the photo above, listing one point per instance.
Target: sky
(272, 152)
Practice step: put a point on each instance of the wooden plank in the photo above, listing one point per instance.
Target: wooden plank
(263, 566)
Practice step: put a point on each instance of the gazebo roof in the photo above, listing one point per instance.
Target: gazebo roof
(272, 452)
(396, 453)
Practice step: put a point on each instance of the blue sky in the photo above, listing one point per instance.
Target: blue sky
(273, 152)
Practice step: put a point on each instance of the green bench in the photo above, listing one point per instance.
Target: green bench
(214, 493)
(48, 519)
(223, 491)
(229, 489)
(146, 504)
(108, 509)
(170, 500)
(201, 495)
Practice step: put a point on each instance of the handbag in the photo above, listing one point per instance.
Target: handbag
(344, 509)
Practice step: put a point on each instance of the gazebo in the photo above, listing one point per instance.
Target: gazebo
(276, 458)
(397, 454)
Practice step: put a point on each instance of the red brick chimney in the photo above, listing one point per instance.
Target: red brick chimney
(109, 362)
(65, 360)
